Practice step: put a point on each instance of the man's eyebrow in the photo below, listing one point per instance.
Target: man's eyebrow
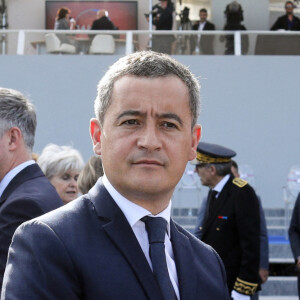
(171, 116)
(161, 116)
(130, 113)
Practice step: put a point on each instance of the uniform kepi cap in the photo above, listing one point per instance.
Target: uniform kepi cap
(212, 154)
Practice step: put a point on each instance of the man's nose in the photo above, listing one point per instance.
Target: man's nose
(150, 138)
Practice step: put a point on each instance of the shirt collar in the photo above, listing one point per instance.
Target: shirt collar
(132, 211)
(12, 173)
(219, 187)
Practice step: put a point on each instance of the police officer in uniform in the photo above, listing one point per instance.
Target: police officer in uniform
(231, 222)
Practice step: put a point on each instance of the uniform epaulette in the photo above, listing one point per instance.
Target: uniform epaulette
(245, 287)
(239, 182)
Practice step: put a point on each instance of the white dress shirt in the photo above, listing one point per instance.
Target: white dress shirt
(133, 214)
(200, 28)
(219, 187)
(12, 173)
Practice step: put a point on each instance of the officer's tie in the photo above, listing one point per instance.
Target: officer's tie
(156, 228)
(212, 201)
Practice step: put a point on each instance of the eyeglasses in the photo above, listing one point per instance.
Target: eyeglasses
(289, 6)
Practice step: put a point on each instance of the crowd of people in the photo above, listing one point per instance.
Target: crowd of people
(163, 15)
(67, 229)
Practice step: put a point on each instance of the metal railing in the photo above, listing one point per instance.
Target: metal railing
(22, 42)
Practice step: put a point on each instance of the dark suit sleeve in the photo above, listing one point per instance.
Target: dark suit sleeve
(277, 25)
(294, 230)
(264, 241)
(248, 226)
(12, 215)
(39, 266)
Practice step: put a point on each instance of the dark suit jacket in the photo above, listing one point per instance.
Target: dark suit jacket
(282, 23)
(103, 23)
(233, 230)
(294, 230)
(87, 250)
(27, 196)
(206, 41)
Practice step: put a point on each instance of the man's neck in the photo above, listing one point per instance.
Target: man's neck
(13, 163)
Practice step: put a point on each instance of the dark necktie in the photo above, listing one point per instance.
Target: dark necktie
(210, 202)
(156, 228)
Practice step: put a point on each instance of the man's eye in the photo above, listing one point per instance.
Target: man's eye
(131, 122)
(169, 125)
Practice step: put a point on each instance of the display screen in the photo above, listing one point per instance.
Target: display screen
(122, 13)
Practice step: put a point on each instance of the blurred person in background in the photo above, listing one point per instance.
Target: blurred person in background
(63, 20)
(25, 192)
(203, 44)
(234, 17)
(162, 19)
(62, 165)
(90, 174)
(264, 240)
(294, 236)
(287, 21)
(231, 228)
(103, 22)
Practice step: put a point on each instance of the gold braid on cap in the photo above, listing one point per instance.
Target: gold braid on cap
(206, 159)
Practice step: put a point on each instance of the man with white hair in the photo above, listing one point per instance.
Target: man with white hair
(103, 22)
(25, 192)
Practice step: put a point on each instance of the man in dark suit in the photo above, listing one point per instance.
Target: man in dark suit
(288, 21)
(231, 222)
(118, 241)
(203, 44)
(103, 22)
(294, 236)
(25, 192)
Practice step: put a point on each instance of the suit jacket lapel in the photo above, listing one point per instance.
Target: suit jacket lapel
(121, 234)
(31, 171)
(221, 200)
(187, 279)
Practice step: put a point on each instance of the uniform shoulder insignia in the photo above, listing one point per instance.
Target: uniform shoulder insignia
(239, 182)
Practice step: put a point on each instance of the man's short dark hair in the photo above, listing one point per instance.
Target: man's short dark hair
(203, 10)
(289, 2)
(147, 64)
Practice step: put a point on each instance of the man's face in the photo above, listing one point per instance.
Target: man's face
(164, 4)
(4, 154)
(289, 8)
(205, 174)
(203, 16)
(146, 139)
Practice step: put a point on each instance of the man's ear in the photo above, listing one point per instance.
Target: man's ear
(213, 170)
(15, 137)
(196, 135)
(95, 131)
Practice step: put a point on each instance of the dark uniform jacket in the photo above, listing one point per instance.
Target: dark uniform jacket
(87, 250)
(233, 230)
(28, 195)
(282, 23)
(206, 41)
